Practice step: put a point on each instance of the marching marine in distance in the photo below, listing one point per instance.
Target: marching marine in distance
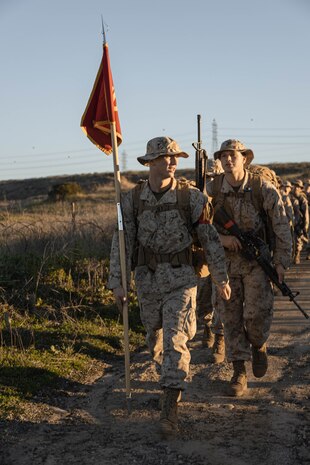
(307, 192)
(255, 205)
(285, 189)
(160, 215)
(301, 218)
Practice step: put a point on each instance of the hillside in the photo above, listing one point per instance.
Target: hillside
(90, 183)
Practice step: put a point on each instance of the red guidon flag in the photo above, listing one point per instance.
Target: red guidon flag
(101, 108)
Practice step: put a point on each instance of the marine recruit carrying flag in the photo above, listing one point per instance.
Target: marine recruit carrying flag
(101, 108)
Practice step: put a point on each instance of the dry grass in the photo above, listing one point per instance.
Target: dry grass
(55, 255)
(90, 222)
(58, 321)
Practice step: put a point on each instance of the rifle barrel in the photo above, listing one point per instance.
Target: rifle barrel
(299, 307)
(253, 250)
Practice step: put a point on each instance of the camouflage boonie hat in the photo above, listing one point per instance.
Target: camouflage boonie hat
(235, 145)
(286, 184)
(298, 183)
(161, 146)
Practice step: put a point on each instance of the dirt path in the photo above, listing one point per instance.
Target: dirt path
(270, 425)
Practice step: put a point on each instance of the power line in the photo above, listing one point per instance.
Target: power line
(183, 135)
(268, 148)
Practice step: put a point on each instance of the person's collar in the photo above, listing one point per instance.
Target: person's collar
(146, 191)
(226, 187)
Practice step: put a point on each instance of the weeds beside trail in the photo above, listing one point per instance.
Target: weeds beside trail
(59, 325)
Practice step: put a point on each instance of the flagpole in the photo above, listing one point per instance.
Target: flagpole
(100, 122)
(122, 252)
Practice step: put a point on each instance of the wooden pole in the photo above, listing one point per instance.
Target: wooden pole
(122, 252)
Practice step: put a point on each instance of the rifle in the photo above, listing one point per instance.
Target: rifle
(201, 159)
(254, 248)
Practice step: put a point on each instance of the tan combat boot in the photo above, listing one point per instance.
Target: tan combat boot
(169, 413)
(238, 383)
(259, 361)
(207, 337)
(218, 350)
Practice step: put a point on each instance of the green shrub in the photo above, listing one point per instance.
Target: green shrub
(65, 191)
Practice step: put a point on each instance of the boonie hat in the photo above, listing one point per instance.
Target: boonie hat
(161, 146)
(235, 145)
(286, 184)
(298, 183)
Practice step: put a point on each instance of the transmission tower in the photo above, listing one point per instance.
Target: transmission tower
(214, 136)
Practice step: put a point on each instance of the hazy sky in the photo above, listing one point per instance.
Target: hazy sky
(244, 63)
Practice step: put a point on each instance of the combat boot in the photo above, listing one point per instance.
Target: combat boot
(238, 383)
(259, 361)
(218, 349)
(207, 337)
(161, 399)
(169, 413)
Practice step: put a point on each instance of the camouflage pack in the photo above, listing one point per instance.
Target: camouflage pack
(252, 194)
(266, 173)
(197, 258)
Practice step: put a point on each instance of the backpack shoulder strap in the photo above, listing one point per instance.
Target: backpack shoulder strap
(136, 193)
(255, 181)
(218, 197)
(182, 197)
(183, 202)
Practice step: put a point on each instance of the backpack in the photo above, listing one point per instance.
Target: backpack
(266, 173)
(197, 257)
(257, 174)
(253, 195)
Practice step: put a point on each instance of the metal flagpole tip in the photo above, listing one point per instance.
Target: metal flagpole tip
(103, 30)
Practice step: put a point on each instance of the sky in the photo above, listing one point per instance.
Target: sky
(243, 63)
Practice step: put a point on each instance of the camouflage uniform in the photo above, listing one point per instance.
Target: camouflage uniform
(167, 291)
(301, 219)
(206, 309)
(247, 315)
(307, 192)
(289, 209)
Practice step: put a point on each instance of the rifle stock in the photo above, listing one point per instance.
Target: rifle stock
(252, 248)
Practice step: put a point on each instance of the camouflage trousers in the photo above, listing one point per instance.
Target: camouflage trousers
(300, 242)
(247, 316)
(207, 311)
(169, 319)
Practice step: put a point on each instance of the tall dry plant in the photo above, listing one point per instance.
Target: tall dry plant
(57, 244)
